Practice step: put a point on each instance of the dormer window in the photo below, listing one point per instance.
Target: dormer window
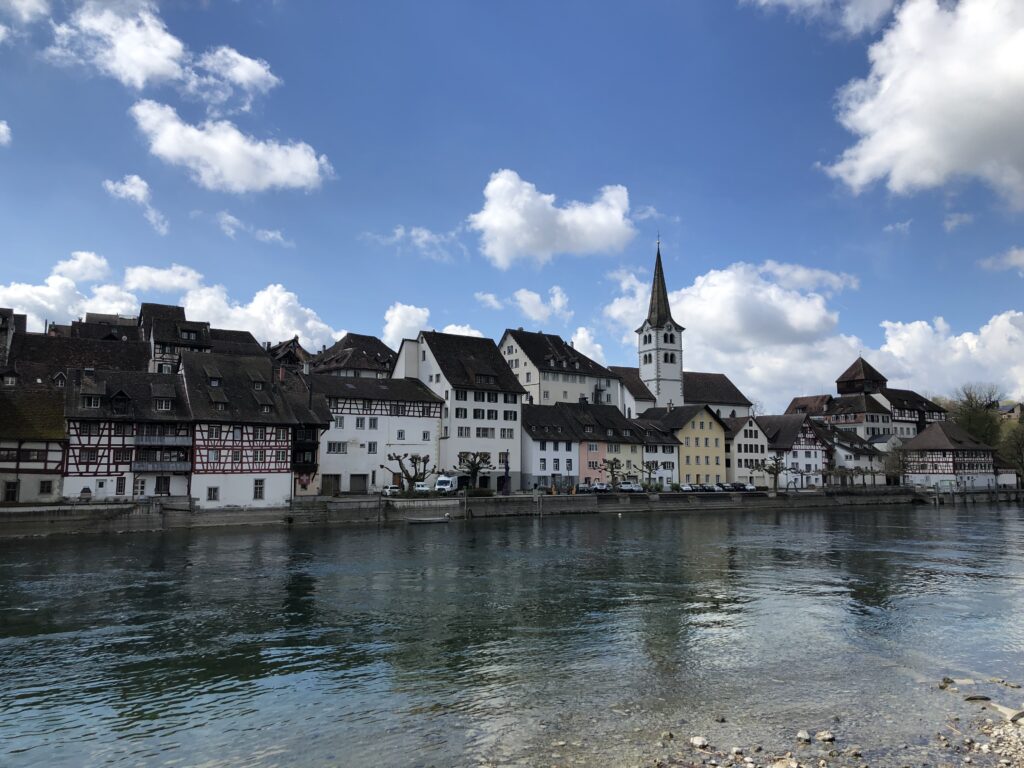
(189, 335)
(60, 381)
(219, 406)
(588, 428)
(163, 403)
(119, 405)
(10, 381)
(90, 401)
(214, 381)
(264, 409)
(257, 386)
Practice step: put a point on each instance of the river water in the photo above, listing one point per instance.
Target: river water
(496, 641)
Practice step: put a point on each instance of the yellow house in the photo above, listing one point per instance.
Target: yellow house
(701, 435)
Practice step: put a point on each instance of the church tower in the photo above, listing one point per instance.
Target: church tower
(661, 345)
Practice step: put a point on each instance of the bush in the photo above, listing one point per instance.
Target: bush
(676, 487)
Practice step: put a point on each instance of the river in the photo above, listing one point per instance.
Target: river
(520, 641)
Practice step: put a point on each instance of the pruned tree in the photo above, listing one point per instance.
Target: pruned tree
(975, 408)
(472, 463)
(773, 467)
(649, 468)
(896, 464)
(612, 467)
(413, 468)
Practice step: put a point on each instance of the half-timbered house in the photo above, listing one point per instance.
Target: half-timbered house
(945, 454)
(129, 435)
(32, 445)
(795, 442)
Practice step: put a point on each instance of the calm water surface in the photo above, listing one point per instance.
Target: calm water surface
(453, 644)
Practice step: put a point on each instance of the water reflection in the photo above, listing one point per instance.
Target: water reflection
(440, 644)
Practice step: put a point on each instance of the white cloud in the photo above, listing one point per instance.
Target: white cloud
(518, 222)
(403, 321)
(583, 340)
(434, 245)
(954, 221)
(169, 279)
(5, 134)
(25, 11)
(135, 189)
(797, 276)
(253, 76)
(462, 330)
(231, 225)
(854, 16)
(898, 227)
(944, 100)
(220, 157)
(1012, 259)
(532, 304)
(488, 300)
(4, 33)
(134, 49)
(83, 266)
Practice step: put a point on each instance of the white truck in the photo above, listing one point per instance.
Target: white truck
(446, 484)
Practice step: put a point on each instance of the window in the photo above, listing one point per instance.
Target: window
(337, 447)
(360, 422)
(592, 447)
(236, 456)
(543, 445)
(367, 405)
(259, 433)
(281, 456)
(401, 434)
(213, 493)
(478, 413)
(339, 422)
(46, 487)
(511, 398)
(426, 435)
(257, 386)
(371, 447)
(214, 432)
(259, 456)
(264, 409)
(492, 414)
(257, 488)
(373, 422)
(485, 432)
(214, 382)
(479, 397)
(460, 394)
(59, 380)
(543, 465)
(546, 395)
(508, 434)
(236, 433)
(122, 455)
(219, 406)
(527, 376)
(555, 465)
(90, 401)
(510, 416)
(214, 455)
(282, 433)
(460, 413)
(87, 455)
(463, 432)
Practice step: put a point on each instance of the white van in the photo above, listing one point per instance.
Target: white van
(446, 484)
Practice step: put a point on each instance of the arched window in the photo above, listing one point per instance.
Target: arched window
(666, 357)
(671, 338)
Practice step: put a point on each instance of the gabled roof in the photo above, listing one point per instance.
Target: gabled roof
(289, 352)
(859, 403)
(736, 423)
(945, 436)
(782, 431)
(845, 439)
(348, 387)
(356, 351)
(32, 414)
(711, 388)
(633, 383)
(228, 342)
(861, 370)
(659, 313)
(652, 432)
(677, 417)
(52, 354)
(601, 419)
(138, 389)
(236, 390)
(908, 400)
(169, 332)
(549, 422)
(550, 352)
(470, 362)
(812, 405)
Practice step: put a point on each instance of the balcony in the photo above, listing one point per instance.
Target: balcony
(161, 466)
(169, 440)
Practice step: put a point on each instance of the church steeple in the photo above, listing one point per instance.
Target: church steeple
(659, 313)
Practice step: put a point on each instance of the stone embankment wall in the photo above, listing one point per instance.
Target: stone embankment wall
(174, 513)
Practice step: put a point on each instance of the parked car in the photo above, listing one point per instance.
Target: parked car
(629, 487)
(584, 488)
(420, 487)
(446, 484)
(716, 488)
(391, 490)
(686, 488)
(749, 487)
(601, 488)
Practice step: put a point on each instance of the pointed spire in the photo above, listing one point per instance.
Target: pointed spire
(659, 312)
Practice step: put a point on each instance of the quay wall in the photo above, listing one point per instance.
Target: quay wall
(178, 513)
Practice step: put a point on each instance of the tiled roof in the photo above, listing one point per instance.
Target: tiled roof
(135, 391)
(53, 354)
(737, 423)
(169, 332)
(364, 388)
(909, 400)
(653, 433)
(659, 313)
(356, 351)
(633, 383)
(470, 362)
(782, 431)
(289, 352)
(677, 417)
(711, 388)
(600, 419)
(859, 403)
(32, 414)
(812, 405)
(237, 390)
(861, 370)
(945, 436)
(549, 422)
(229, 342)
(550, 352)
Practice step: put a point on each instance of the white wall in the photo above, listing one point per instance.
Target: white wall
(237, 490)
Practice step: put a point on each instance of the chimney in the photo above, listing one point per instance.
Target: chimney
(670, 406)
(266, 345)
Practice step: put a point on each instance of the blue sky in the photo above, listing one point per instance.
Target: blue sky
(378, 167)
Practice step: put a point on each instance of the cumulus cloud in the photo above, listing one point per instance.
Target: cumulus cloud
(944, 99)
(274, 237)
(853, 16)
(488, 300)
(1012, 259)
(131, 43)
(954, 221)
(533, 305)
(438, 246)
(83, 266)
(583, 340)
(170, 279)
(403, 321)
(25, 11)
(5, 133)
(135, 189)
(898, 227)
(222, 158)
(462, 330)
(518, 222)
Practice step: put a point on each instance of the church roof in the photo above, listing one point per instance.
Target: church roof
(711, 388)
(861, 370)
(659, 313)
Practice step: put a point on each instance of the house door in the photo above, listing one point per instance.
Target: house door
(330, 485)
(139, 487)
(11, 490)
(357, 483)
